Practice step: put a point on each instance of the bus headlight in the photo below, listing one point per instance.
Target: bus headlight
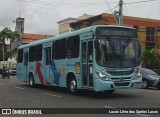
(102, 76)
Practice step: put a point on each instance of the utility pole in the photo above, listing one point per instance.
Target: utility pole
(119, 14)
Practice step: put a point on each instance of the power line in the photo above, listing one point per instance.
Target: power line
(1, 7)
(46, 3)
(140, 2)
(113, 8)
(111, 11)
(42, 8)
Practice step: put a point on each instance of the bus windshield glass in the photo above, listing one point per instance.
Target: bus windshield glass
(118, 52)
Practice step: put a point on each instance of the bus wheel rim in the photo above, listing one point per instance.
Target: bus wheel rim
(72, 85)
(31, 81)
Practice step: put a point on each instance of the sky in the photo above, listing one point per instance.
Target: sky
(41, 16)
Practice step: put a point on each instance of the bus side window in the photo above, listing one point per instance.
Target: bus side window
(32, 54)
(53, 54)
(60, 49)
(20, 56)
(73, 47)
(39, 52)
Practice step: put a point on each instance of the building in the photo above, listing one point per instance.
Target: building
(24, 37)
(148, 29)
(64, 25)
(19, 25)
(27, 37)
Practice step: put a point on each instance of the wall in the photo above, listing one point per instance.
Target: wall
(64, 28)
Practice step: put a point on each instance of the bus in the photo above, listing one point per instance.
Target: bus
(101, 58)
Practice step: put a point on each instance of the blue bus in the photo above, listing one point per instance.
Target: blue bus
(99, 58)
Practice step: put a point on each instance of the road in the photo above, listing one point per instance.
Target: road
(17, 94)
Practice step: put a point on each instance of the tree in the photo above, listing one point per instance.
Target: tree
(151, 58)
(6, 33)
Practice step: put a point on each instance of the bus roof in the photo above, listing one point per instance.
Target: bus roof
(70, 34)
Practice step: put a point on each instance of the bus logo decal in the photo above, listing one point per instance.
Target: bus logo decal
(55, 73)
(121, 79)
(38, 71)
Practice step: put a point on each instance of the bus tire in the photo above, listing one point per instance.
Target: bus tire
(31, 81)
(72, 86)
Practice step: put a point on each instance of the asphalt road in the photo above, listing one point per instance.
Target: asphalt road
(17, 94)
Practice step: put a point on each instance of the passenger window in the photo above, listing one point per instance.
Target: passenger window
(73, 47)
(53, 55)
(60, 49)
(38, 52)
(20, 56)
(32, 54)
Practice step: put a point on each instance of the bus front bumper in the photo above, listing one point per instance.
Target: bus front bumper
(101, 85)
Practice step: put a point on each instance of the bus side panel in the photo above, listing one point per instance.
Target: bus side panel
(20, 73)
(73, 66)
(32, 66)
(58, 69)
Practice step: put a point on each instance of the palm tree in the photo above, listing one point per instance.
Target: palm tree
(6, 33)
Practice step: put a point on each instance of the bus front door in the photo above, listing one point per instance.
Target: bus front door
(87, 64)
(47, 68)
(25, 66)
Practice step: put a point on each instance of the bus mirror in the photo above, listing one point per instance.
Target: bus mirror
(96, 44)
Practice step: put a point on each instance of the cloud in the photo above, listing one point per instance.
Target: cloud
(10, 10)
(41, 16)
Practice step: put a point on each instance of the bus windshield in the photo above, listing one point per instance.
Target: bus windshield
(118, 52)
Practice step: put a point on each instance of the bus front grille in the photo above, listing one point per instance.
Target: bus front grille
(122, 79)
(117, 73)
(122, 84)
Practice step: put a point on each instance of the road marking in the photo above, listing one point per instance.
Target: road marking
(52, 95)
(2, 84)
(108, 107)
(143, 115)
(18, 87)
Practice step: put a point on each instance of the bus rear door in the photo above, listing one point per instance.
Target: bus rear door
(47, 68)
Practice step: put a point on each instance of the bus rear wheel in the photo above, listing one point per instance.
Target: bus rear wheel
(31, 81)
(72, 86)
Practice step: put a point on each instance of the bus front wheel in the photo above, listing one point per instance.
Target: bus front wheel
(31, 81)
(72, 86)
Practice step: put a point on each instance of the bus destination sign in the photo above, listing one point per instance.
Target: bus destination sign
(116, 32)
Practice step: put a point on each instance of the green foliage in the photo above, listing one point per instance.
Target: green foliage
(151, 59)
(1, 55)
(6, 33)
